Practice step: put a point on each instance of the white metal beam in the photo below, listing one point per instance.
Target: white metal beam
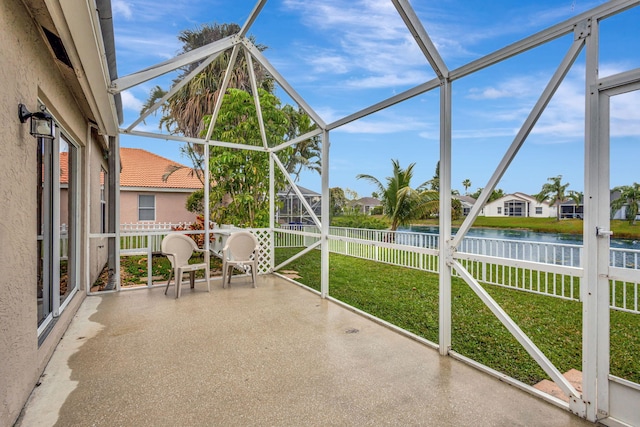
(418, 32)
(252, 17)
(222, 90)
(296, 190)
(173, 90)
(295, 141)
(605, 10)
(518, 334)
(256, 98)
(124, 83)
(418, 90)
(298, 255)
(179, 138)
(255, 52)
(526, 128)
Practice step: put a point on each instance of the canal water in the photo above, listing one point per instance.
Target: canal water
(525, 235)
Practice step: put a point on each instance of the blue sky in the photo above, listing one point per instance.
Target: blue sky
(342, 56)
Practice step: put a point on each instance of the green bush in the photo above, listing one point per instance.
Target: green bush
(359, 221)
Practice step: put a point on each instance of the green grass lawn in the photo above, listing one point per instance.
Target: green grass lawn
(409, 299)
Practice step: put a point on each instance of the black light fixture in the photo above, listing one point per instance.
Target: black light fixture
(41, 121)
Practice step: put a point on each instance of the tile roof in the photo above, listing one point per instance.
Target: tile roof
(64, 168)
(140, 168)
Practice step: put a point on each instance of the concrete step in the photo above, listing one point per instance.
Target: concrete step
(573, 376)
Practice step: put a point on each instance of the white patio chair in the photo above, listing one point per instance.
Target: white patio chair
(179, 249)
(241, 250)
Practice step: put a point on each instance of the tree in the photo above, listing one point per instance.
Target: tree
(401, 203)
(466, 184)
(183, 113)
(338, 201)
(495, 194)
(306, 154)
(434, 183)
(629, 197)
(554, 192)
(241, 191)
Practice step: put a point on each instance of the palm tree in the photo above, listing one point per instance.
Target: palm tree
(184, 111)
(629, 197)
(466, 184)
(554, 192)
(400, 202)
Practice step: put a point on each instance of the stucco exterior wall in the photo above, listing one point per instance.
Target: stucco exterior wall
(170, 207)
(28, 73)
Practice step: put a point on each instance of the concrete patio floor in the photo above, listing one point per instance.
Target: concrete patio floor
(276, 355)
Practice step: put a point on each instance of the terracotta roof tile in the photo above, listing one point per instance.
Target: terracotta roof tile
(140, 168)
(64, 168)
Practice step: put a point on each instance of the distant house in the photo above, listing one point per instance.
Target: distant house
(467, 203)
(292, 211)
(365, 205)
(569, 209)
(145, 197)
(519, 205)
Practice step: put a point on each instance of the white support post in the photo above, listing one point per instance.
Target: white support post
(324, 228)
(589, 282)
(272, 211)
(445, 247)
(207, 204)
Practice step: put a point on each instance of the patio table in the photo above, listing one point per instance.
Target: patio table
(220, 236)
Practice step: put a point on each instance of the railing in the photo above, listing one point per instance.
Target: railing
(538, 267)
(543, 268)
(151, 226)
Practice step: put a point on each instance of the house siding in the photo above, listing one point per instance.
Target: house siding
(28, 73)
(170, 207)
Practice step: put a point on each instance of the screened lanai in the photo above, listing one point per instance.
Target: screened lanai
(600, 396)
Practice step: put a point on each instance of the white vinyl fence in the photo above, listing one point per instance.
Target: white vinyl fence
(538, 267)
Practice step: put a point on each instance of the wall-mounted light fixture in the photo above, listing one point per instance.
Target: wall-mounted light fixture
(41, 121)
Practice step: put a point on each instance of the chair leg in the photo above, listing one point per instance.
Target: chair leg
(208, 278)
(224, 275)
(178, 282)
(229, 274)
(254, 274)
(168, 281)
(192, 279)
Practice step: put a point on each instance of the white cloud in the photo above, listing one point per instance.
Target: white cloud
(384, 124)
(514, 87)
(130, 102)
(122, 8)
(364, 37)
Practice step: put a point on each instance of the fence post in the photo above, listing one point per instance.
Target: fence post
(150, 261)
